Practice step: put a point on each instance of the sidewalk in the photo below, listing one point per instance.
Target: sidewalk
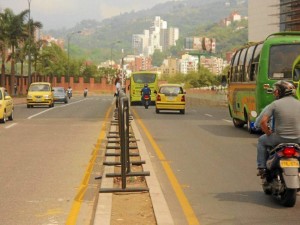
(19, 100)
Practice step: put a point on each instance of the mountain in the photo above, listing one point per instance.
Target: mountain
(190, 16)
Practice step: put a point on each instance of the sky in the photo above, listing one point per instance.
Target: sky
(56, 14)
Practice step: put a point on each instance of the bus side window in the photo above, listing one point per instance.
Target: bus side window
(252, 71)
(242, 64)
(235, 71)
(254, 63)
(230, 71)
(296, 74)
(248, 63)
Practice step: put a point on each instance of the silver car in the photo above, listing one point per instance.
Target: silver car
(60, 95)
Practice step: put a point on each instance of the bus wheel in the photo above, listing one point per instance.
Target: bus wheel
(238, 123)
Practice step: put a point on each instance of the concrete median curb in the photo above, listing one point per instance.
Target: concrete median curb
(159, 204)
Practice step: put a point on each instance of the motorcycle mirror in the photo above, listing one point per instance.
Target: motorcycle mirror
(253, 114)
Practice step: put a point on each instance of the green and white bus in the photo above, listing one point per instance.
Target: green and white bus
(137, 82)
(253, 71)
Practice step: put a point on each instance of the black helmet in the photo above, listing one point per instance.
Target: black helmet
(284, 88)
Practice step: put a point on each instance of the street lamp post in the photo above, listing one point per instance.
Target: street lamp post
(111, 48)
(29, 52)
(69, 38)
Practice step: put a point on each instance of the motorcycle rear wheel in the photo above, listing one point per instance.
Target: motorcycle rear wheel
(288, 198)
(266, 188)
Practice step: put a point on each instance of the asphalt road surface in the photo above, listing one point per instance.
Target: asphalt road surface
(46, 153)
(214, 164)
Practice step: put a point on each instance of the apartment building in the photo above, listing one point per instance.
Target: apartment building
(271, 16)
(137, 63)
(188, 63)
(157, 37)
(170, 66)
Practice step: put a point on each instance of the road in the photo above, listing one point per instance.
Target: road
(45, 156)
(215, 166)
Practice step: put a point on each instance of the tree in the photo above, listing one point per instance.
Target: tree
(52, 61)
(13, 32)
(13, 35)
(157, 58)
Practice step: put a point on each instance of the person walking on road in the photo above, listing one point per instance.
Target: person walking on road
(85, 92)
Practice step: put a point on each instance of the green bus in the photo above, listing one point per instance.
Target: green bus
(296, 75)
(253, 71)
(137, 82)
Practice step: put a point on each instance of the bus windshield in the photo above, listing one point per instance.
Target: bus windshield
(281, 60)
(141, 78)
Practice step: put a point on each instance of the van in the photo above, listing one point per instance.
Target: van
(40, 94)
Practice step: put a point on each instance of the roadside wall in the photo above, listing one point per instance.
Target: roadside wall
(97, 87)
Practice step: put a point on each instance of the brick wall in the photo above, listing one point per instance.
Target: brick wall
(96, 87)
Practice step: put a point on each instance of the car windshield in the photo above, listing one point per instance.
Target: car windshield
(39, 87)
(170, 90)
(59, 90)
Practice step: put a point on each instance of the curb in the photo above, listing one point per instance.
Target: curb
(161, 210)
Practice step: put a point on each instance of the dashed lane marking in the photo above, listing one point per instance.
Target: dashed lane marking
(11, 125)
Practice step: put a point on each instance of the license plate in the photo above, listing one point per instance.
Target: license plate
(170, 98)
(38, 100)
(289, 163)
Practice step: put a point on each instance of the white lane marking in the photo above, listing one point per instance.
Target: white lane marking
(70, 103)
(14, 124)
(208, 115)
(30, 117)
(228, 121)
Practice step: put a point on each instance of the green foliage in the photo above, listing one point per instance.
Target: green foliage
(95, 44)
(158, 58)
(192, 17)
(52, 61)
(202, 78)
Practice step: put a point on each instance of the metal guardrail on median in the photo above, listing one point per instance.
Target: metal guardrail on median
(122, 120)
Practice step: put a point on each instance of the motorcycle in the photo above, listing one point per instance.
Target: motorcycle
(146, 100)
(281, 179)
(69, 93)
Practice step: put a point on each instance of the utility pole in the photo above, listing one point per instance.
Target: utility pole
(29, 53)
(68, 39)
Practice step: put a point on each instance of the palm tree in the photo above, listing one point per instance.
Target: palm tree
(21, 54)
(16, 35)
(12, 31)
(34, 46)
(4, 20)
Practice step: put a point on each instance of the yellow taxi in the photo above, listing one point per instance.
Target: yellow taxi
(6, 106)
(170, 97)
(40, 94)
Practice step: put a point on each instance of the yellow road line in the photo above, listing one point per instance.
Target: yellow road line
(72, 218)
(185, 205)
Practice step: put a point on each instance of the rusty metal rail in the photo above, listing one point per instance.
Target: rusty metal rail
(121, 140)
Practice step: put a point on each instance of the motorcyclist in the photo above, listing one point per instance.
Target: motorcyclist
(286, 129)
(145, 91)
(69, 92)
